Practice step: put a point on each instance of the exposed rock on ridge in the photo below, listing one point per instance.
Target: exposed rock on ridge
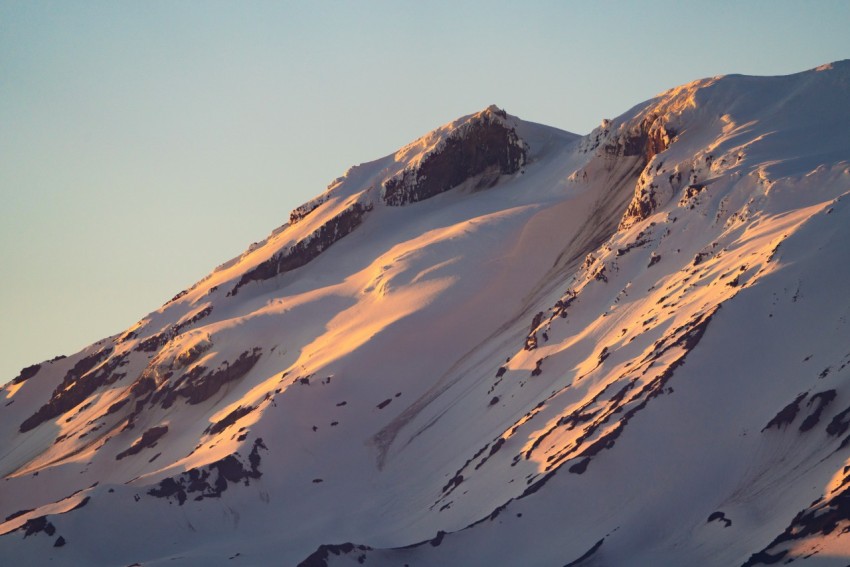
(307, 249)
(485, 145)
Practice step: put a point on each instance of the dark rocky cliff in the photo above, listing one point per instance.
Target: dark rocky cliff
(485, 145)
(307, 249)
(651, 137)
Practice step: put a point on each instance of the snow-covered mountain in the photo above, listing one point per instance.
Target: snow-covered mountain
(504, 344)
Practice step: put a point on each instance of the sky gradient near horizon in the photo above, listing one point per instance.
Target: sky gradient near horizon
(144, 143)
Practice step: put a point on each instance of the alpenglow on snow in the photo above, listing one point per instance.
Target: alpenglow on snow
(504, 344)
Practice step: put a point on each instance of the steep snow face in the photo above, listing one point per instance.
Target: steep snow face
(503, 344)
(784, 126)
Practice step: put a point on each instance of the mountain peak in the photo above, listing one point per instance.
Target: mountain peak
(841, 64)
(484, 145)
(495, 110)
(500, 333)
(474, 152)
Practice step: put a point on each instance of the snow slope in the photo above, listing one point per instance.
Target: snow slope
(503, 344)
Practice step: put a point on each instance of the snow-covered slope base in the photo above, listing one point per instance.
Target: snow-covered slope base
(502, 345)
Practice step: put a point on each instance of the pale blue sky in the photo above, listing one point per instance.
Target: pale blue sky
(143, 143)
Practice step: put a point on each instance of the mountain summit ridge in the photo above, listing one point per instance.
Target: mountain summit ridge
(502, 343)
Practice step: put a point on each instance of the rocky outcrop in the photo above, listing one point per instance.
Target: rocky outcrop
(649, 137)
(823, 517)
(486, 144)
(202, 385)
(299, 213)
(644, 141)
(79, 383)
(820, 401)
(307, 249)
(531, 338)
(27, 373)
(202, 314)
(155, 383)
(147, 440)
(229, 420)
(786, 415)
(319, 558)
(157, 386)
(37, 525)
(211, 480)
(155, 342)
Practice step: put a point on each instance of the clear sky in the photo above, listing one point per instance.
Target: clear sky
(144, 143)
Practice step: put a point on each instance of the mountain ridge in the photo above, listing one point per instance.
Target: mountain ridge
(482, 330)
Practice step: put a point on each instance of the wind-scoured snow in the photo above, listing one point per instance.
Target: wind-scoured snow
(503, 344)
